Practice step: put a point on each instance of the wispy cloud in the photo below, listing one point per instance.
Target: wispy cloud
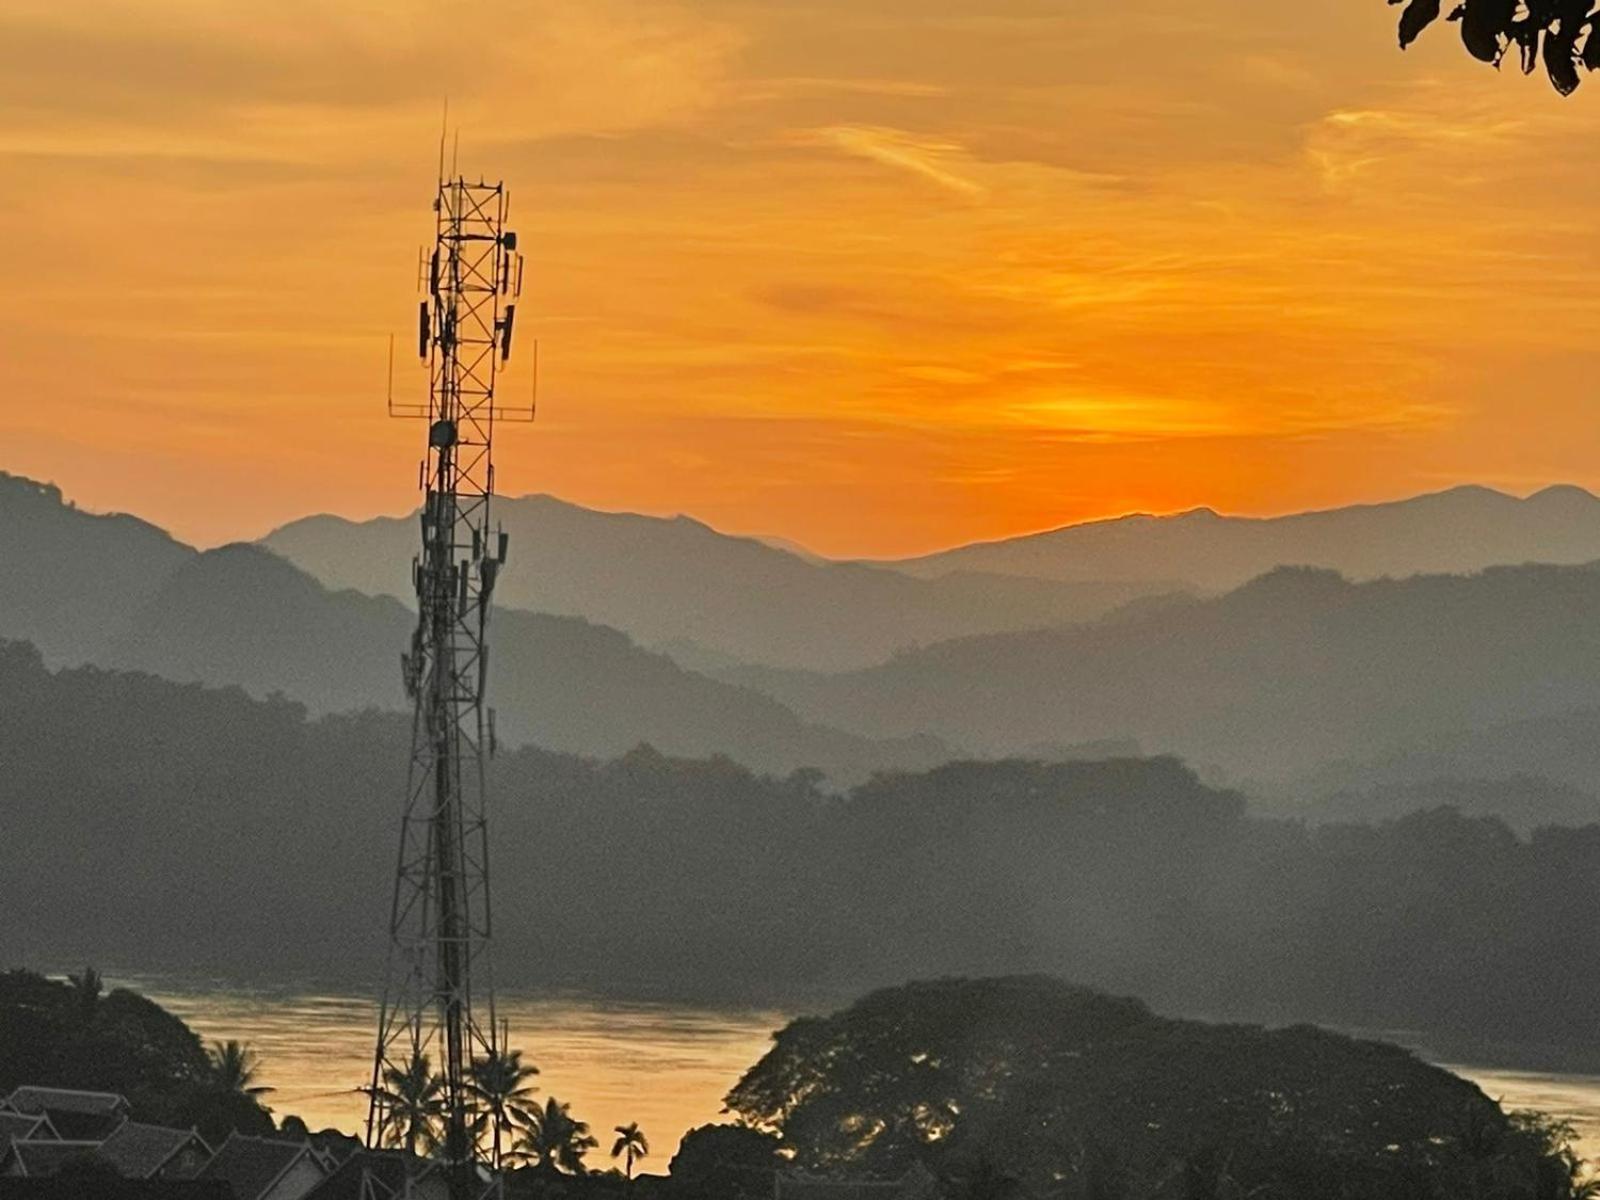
(941, 255)
(933, 159)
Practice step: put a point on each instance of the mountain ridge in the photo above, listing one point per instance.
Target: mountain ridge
(1293, 669)
(122, 594)
(676, 581)
(1462, 528)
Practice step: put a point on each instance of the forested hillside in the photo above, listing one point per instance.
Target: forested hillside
(211, 831)
(116, 592)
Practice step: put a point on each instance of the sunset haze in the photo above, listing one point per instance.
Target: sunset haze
(880, 277)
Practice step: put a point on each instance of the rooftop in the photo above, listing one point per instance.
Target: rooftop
(15, 1126)
(251, 1165)
(44, 1158)
(32, 1099)
(138, 1150)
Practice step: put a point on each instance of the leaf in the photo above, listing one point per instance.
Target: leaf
(1419, 14)
(1541, 12)
(1561, 61)
(1528, 44)
(1483, 24)
(1586, 27)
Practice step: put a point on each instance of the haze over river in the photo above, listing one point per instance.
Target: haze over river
(666, 1066)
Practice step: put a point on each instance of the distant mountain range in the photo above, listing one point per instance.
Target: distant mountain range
(1296, 669)
(1318, 692)
(715, 601)
(1460, 530)
(72, 578)
(1534, 769)
(116, 592)
(703, 596)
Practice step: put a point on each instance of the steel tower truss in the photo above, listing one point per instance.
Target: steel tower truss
(439, 996)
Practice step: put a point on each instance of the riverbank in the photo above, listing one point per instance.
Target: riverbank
(666, 1065)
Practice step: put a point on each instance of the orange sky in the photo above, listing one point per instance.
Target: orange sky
(877, 275)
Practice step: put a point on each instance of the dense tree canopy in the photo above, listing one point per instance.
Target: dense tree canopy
(727, 1162)
(1560, 34)
(900, 1069)
(210, 831)
(1072, 1093)
(53, 1034)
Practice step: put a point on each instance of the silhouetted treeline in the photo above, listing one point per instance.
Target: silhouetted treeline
(154, 825)
(73, 1034)
(1027, 1087)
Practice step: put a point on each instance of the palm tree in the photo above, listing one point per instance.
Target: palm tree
(631, 1142)
(412, 1101)
(499, 1084)
(234, 1067)
(553, 1140)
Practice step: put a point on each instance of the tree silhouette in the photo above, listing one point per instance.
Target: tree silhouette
(553, 1140)
(1560, 33)
(630, 1142)
(726, 1162)
(86, 992)
(234, 1067)
(499, 1085)
(413, 1099)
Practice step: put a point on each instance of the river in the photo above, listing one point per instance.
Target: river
(666, 1066)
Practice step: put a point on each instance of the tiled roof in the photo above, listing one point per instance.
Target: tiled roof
(14, 1127)
(252, 1165)
(385, 1170)
(71, 1125)
(40, 1159)
(113, 1189)
(31, 1099)
(138, 1150)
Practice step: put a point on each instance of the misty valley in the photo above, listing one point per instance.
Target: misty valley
(1332, 792)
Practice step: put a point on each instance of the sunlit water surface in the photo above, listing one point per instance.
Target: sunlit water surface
(666, 1066)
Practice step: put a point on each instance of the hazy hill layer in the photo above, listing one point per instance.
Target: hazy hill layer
(1537, 771)
(1460, 530)
(679, 584)
(242, 615)
(1563, 747)
(1294, 669)
(118, 592)
(69, 577)
(181, 828)
(1524, 802)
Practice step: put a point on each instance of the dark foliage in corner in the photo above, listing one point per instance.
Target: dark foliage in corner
(1558, 33)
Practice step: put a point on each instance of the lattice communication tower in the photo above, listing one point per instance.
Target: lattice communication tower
(438, 999)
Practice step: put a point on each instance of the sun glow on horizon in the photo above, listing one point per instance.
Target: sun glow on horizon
(876, 277)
